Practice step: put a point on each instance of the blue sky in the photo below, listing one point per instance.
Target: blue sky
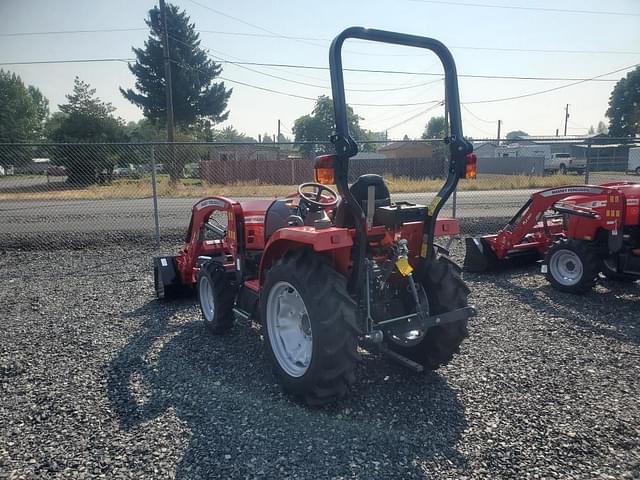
(467, 30)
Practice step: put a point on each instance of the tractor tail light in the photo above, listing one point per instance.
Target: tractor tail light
(471, 171)
(323, 169)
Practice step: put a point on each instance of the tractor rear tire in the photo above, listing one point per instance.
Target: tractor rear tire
(446, 291)
(316, 293)
(572, 266)
(216, 296)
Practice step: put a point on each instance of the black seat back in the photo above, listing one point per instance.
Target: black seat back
(360, 191)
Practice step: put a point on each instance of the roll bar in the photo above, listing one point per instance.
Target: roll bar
(346, 147)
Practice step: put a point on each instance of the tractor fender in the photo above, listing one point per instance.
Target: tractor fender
(334, 243)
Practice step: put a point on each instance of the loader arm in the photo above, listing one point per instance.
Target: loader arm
(523, 233)
(531, 213)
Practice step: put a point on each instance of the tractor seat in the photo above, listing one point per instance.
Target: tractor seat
(280, 214)
(360, 191)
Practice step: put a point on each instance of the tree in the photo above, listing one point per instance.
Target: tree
(624, 106)
(434, 128)
(196, 97)
(23, 110)
(513, 135)
(602, 128)
(230, 134)
(320, 125)
(145, 131)
(86, 119)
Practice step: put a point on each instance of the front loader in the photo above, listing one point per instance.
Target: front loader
(579, 232)
(327, 271)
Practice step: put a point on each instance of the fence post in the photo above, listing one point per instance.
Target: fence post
(156, 216)
(454, 204)
(586, 168)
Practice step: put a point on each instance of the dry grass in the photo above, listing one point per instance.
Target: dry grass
(195, 188)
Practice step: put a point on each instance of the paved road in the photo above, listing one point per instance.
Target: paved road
(31, 216)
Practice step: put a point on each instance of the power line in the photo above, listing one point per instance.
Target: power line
(67, 32)
(258, 27)
(412, 117)
(549, 89)
(475, 116)
(313, 39)
(454, 47)
(404, 72)
(360, 70)
(325, 87)
(536, 9)
(81, 60)
(226, 79)
(314, 99)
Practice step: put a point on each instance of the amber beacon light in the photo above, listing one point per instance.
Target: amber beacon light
(471, 170)
(324, 169)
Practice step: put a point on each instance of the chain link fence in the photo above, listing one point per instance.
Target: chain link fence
(98, 190)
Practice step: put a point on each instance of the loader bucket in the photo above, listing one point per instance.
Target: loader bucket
(479, 256)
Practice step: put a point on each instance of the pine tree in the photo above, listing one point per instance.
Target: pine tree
(195, 95)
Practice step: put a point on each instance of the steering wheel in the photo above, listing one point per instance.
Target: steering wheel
(311, 194)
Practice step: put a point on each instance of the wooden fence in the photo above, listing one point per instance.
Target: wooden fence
(292, 171)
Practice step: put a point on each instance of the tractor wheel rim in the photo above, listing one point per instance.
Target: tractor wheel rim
(207, 302)
(289, 329)
(566, 267)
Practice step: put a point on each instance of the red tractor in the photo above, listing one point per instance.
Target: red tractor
(602, 235)
(580, 231)
(327, 271)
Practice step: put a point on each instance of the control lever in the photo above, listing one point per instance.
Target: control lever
(402, 263)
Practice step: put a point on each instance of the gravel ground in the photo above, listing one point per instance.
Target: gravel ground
(100, 380)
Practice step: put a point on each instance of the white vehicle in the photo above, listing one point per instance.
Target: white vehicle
(565, 162)
(523, 151)
(634, 160)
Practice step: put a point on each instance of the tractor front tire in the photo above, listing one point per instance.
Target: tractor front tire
(571, 266)
(446, 291)
(309, 327)
(216, 296)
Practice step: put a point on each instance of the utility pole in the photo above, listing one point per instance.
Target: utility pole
(168, 86)
(278, 137)
(566, 119)
(499, 124)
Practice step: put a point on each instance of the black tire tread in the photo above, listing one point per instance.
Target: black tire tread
(446, 291)
(333, 311)
(590, 264)
(224, 297)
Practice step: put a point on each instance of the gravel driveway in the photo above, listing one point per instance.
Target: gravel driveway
(99, 379)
